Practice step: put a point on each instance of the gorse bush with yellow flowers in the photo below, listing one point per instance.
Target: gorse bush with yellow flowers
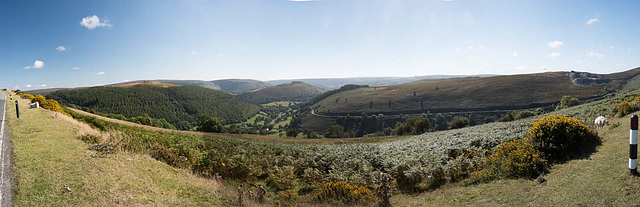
(561, 138)
(342, 192)
(513, 159)
(625, 108)
(50, 104)
(551, 138)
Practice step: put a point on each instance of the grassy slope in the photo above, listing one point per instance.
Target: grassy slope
(600, 180)
(236, 86)
(48, 158)
(467, 93)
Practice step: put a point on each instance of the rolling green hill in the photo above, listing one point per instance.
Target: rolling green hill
(237, 86)
(294, 91)
(474, 94)
(179, 105)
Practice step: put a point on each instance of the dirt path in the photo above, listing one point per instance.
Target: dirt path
(249, 137)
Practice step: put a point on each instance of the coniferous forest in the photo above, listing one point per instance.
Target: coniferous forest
(180, 105)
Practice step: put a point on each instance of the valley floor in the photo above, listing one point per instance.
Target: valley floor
(601, 180)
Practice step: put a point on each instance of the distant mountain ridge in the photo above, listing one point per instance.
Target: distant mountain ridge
(238, 86)
(335, 83)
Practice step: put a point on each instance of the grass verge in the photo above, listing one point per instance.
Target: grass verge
(54, 168)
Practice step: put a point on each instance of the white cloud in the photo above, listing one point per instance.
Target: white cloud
(28, 85)
(595, 54)
(100, 73)
(542, 67)
(578, 61)
(470, 48)
(556, 44)
(61, 48)
(620, 65)
(37, 64)
(555, 54)
(194, 53)
(591, 21)
(521, 68)
(515, 54)
(43, 85)
(93, 22)
(17, 87)
(75, 68)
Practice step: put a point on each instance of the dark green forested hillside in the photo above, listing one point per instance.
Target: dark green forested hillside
(294, 91)
(180, 105)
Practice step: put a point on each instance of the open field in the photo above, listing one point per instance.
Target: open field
(54, 168)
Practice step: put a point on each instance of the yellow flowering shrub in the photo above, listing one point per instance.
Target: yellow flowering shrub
(50, 104)
(625, 108)
(516, 158)
(288, 198)
(26, 96)
(560, 138)
(343, 193)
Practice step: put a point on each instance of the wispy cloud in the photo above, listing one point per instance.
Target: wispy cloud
(595, 54)
(37, 64)
(521, 68)
(578, 61)
(93, 22)
(555, 54)
(593, 21)
(61, 48)
(75, 68)
(515, 54)
(28, 85)
(194, 52)
(543, 68)
(43, 85)
(556, 44)
(100, 73)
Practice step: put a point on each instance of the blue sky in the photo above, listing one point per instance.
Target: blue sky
(278, 39)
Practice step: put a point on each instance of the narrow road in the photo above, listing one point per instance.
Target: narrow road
(6, 193)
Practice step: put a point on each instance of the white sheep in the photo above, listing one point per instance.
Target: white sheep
(601, 121)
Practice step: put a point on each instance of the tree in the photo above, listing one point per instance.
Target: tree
(209, 124)
(292, 132)
(334, 131)
(567, 101)
(458, 122)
